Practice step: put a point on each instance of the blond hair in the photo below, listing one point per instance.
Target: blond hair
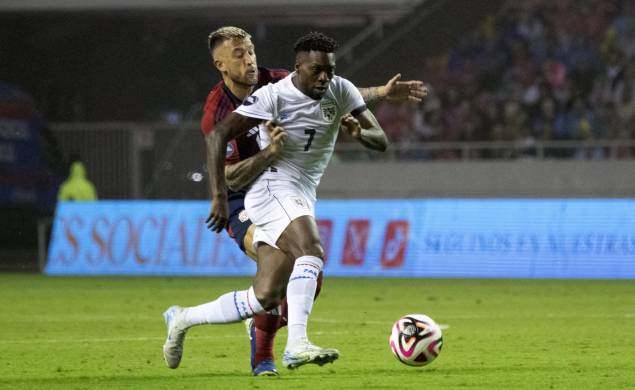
(224, 33)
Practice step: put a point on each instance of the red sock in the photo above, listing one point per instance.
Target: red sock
(284, 308)
(266, 327)
(284, 312)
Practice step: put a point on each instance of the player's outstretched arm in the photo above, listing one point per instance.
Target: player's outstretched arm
(216, 142)
(395, 90)
(242, 173)
(365, 128)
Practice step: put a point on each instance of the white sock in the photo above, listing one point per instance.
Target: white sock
(300, 294)
(234, 306)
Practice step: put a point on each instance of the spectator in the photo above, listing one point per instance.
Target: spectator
(538, 70)
(542, 126)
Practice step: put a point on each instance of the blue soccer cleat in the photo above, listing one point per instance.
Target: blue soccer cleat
(266, 367)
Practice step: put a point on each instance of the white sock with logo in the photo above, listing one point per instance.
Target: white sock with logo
(234, 306)
(300, 295)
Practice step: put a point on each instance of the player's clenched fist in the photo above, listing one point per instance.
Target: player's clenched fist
(277, 135)
(351, 126)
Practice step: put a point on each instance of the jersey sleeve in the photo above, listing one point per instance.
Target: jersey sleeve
(351, 100)
(216, 108)
(259, 105)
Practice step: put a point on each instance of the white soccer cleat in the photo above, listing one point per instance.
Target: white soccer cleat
(173, 347)
(307, 353)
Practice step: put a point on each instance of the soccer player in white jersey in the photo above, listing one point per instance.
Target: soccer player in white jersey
(310, 104)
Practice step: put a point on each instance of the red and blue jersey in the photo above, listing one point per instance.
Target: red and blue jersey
(221, 101)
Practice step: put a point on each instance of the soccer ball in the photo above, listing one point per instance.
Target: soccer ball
(416, 339)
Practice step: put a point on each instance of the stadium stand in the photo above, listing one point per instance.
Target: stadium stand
(536, 71)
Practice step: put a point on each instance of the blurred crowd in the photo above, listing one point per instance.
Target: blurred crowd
(539, 70)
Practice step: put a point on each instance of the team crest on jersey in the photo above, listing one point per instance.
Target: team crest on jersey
(243, 217)
(230, 150)
(329, 110)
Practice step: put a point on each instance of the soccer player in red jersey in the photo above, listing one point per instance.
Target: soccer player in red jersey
(233, 54)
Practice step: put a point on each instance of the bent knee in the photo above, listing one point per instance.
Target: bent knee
(313, 249)
(269, 298)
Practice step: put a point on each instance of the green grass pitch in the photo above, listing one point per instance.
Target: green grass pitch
(107, 332)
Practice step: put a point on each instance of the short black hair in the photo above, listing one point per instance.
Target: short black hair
(316, 41)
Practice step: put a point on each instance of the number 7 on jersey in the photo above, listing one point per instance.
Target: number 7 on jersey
(311, 133)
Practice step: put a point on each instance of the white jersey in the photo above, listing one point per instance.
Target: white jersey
(312, 126)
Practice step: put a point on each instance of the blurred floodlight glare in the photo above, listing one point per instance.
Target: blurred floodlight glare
(195, 176)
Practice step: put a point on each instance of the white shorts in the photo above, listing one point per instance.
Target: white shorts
(273, 204)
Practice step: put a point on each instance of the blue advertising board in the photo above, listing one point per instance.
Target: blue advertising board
(498, 238)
